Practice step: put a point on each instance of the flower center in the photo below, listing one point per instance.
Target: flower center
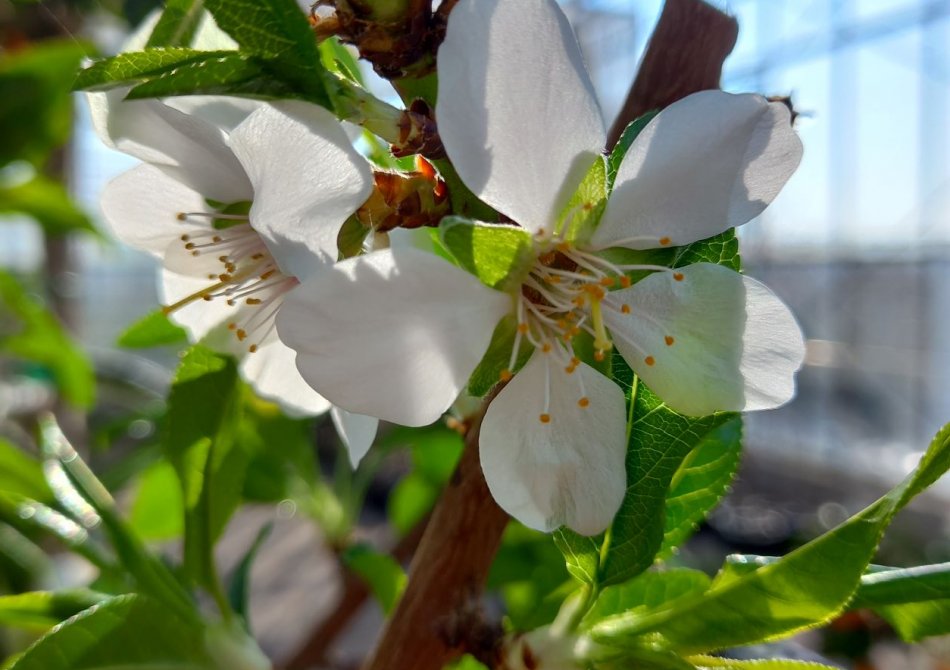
(562, 296)
(241, 272)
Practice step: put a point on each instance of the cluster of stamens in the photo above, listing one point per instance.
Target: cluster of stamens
(564, 295)
(247, 277)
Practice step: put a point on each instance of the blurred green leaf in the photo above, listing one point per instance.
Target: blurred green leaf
(239, 590)
(152, 330)
(128, 632)
(410, 501)
(177, 25)
(22, 474)
(806, 588)
(150, 574)
(199, 440)
(282, 460)
(384, 576)
(30, 332)
(157, 512)
(714, 662)
(36, 115)
(278, 32)
(47, 202)
(41, 610)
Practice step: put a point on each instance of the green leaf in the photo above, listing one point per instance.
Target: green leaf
(152, 330)
(583, 211)
(22, 474)
(150, 574)
(701, 480)
(915, 601)
(36, 115)
(202, 418)
(804, 589)
(384, 576)
(659, 440)
(278, 32)
(337, 58)
(46, 202)
(497, 357)
(714, 662)
(158, 512)
(409, 502)
(177, 25)
(129, 632)
(239, 590)
(646, 592)
(40, 610)
(30, 332)
(139, 65)
(623, 145)
(229, 74)
(497, 254)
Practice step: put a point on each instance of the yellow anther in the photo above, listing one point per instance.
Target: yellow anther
(599, 355)
(545, 418)
(232, 302)
(257, 257)
(268, 274)
(252, 348)
(232, 326)
(546, 347)
(625, 281)
(181, 216)
(563, 247)
(241, 334)
(665, 241)
(575, 361)
(505, 375)
(584, 402)
(570, 369)
(216, 239)
(523, 328)
(608, 282)
(553, 279)
(190, 245)
(625, 308)
(669, 340)
(222, 259)
(225, 277)
(185, 238)
(254, 301)
(206, 298)
(649, 360)
(678, 276)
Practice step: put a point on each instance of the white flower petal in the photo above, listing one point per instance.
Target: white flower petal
(307, 180)
(707, 163)
(357, 432)
(222, 111)
(142, 205)
(185, 147)
(733, 344)
(394, 334)
(200, 317)
(516, 107)
(272, 373)
(569, 471)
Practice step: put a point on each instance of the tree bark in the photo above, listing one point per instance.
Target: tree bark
(685, 55)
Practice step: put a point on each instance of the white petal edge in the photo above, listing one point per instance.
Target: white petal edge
(735, 345)
(516, 107)
(707, 163)
(272, 373)
(394, 334)
(186, 147)
(357, 432)
(141, 207)
(568, 472)
(307, 180)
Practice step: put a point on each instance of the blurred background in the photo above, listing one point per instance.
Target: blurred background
(858, 244)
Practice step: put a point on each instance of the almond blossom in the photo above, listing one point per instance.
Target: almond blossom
(519, 120)
(240, 201)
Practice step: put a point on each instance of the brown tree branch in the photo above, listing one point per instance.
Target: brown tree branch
(448, 572)
(685, 55)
